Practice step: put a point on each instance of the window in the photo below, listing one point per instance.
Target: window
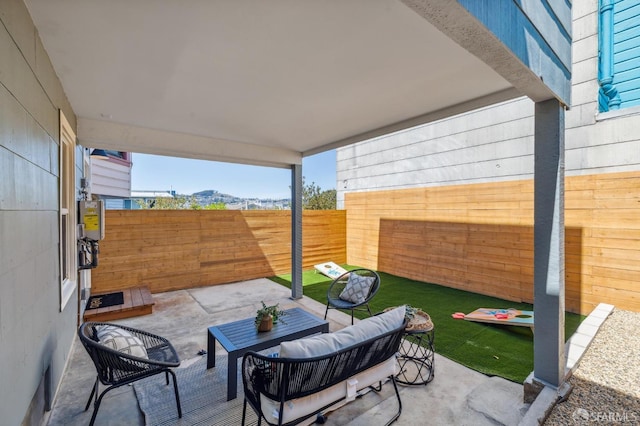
(68, 268)
(109, 154)
(619, 53)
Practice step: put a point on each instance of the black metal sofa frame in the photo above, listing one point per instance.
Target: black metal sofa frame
(285, 379)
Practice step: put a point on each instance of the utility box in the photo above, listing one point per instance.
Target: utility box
(92, 219)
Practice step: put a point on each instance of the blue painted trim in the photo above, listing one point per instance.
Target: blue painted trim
(546, 51)
(609, 97)
(626, 51)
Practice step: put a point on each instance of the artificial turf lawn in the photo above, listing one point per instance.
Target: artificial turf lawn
(495, 350)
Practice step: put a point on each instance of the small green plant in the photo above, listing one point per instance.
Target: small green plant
(410, 312)
(274, 311)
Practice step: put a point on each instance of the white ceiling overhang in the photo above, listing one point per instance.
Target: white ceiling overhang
(268, 82)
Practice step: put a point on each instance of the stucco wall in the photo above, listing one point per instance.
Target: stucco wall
(34, 335)
(496, 143)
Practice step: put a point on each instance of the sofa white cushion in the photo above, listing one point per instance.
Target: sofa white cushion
(300, 407)
(324, 344)
(121, 340)
(357, 288)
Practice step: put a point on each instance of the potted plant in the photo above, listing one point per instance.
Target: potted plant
(416, 318)
(267, 316)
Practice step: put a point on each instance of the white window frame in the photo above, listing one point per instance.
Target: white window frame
(68, 243)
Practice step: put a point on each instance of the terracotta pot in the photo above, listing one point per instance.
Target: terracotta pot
(266, 324)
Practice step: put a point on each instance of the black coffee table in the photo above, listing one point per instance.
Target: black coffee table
(239, 337)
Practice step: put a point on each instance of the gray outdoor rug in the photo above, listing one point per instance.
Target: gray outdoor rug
(203, 394)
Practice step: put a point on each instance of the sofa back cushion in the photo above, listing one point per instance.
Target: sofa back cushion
(324, 344)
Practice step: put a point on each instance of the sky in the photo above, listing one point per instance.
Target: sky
(186, 176)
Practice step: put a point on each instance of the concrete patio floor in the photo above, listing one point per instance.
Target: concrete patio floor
(456, 396)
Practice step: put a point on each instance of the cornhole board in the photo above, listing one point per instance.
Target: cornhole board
(330, 269)
(513, 316)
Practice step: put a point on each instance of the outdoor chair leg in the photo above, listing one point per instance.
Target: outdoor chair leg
(96, 405)
(376, 389)
(368, 309)
(244, 411)
(244, 414)
(326, 311)
(175, 388)
(93, 392)
(395, 386)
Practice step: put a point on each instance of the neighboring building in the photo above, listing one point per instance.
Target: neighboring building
(111, 177)
(146, 198)
(419, 179)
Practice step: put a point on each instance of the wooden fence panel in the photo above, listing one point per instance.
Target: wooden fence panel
(480, 237)
(177, 249)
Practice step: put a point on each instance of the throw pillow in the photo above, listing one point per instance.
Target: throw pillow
(121, 340)
(357, 288)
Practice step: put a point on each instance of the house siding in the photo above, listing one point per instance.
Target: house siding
(495, 146)
(110, 178)
(35, 336)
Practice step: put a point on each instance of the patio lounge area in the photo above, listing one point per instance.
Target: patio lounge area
(457, 395)
(226, 81)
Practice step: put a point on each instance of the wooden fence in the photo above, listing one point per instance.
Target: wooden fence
(178, 249)
(480, 237)
(473, 237)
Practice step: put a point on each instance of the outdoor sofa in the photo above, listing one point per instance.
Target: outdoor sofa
(317, 374)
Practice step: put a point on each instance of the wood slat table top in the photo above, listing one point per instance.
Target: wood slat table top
(242, 334)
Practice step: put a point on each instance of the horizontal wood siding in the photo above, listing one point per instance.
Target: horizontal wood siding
(110, 177)
(480, 237)
(178, 249)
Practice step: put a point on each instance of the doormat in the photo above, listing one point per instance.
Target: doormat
(105, 300)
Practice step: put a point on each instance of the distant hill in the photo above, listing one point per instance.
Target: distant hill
(207, 193)
(211, 196)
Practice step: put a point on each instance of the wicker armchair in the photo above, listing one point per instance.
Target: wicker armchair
(116, 368)
(337, 300)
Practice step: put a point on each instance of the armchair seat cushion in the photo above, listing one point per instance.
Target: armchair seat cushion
(357, 288)
(121, 340)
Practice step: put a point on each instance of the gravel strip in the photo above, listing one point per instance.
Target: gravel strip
(606, 384)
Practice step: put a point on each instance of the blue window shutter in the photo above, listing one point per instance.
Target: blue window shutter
(626, 51)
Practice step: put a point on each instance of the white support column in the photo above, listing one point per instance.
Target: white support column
(296, 231)
(549, 271)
